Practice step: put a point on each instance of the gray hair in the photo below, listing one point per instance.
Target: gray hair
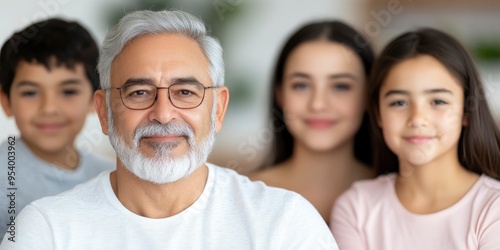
(146, 22)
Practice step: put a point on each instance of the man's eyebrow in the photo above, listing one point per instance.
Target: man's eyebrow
(138, 81)
(185, 80)
(151, 81)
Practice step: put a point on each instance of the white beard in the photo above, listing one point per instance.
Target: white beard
(161, 168)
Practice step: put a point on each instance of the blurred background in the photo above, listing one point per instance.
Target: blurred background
(252, 33)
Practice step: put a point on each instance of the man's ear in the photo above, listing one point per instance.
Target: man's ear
(100, 108)
(5, 103)
(222, 101)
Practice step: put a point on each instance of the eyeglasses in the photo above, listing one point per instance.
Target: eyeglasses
(185, 95)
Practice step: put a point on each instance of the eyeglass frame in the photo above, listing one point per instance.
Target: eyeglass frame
(168, 92)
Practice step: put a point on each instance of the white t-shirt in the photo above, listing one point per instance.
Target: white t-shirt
(369, 215)
(34, 178)
(231, 213)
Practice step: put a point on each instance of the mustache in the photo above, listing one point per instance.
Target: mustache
(155, 129)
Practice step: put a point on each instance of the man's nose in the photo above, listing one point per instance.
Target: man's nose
(162, 111)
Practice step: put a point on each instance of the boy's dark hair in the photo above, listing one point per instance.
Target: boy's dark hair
(479, 143)
(66, 42)
(333, 31)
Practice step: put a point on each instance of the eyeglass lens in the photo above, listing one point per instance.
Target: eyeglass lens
(143, 96)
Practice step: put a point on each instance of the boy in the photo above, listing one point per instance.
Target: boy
(48, 77)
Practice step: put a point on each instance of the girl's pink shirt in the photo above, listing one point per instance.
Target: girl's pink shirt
(369, 215)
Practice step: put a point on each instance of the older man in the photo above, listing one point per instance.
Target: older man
(162, 102)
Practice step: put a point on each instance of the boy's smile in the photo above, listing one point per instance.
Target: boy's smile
(50, 127)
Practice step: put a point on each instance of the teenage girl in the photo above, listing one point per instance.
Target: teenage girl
(322, 140)
(439, 146)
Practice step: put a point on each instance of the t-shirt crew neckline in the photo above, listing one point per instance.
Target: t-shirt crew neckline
(432, 216)
(195, 208)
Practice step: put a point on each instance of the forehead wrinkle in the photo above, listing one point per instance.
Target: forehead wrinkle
(164, 64)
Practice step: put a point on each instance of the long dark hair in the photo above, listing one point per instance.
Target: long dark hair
(479, 143)
(333, 31)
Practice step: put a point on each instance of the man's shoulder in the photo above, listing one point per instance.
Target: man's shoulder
(85, 193)
(229, 176)
(273, 205)
(241, 187)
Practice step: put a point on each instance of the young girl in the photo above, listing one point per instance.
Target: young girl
(435, 131)
(321, 142)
